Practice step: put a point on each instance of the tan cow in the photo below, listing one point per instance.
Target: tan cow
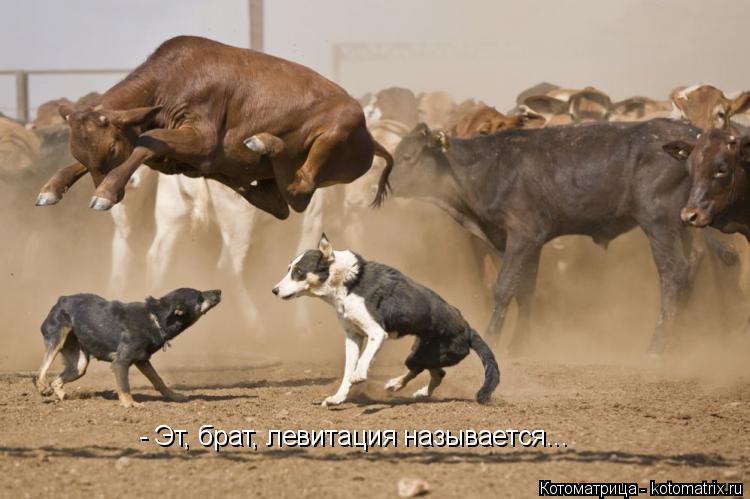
(640, 109)
(706, 106)
(19, 147)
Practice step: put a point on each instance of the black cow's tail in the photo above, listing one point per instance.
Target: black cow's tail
(491, 371)
(383, 185)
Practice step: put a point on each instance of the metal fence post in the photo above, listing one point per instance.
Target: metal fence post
(22, 96)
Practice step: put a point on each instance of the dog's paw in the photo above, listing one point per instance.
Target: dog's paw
(59, 392)
(357, 377)
(176, 396)
(333, 400)
(132, 404)
(421, 393)
(395, 384)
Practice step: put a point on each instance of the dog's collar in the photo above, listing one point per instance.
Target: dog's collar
(160, 329)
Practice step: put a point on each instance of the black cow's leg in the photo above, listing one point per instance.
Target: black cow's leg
(524, 298)
(674, 273)
(519, 259)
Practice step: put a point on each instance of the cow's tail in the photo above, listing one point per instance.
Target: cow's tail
(491, 370)
(383, 185)
(200, 214)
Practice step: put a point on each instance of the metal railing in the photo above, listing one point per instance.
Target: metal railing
(22, 83)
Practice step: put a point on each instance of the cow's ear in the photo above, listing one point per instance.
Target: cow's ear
(530, 119)
(440, 138)
(678, 149)
(324, 245)
(740, 104)
(65, 111)
(743, 150)
(140, 116)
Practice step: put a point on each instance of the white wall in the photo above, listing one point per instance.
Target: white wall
(492, 50)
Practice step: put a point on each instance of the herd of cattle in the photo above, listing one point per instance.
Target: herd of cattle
(514, 191)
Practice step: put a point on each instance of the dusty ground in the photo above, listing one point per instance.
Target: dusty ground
(583, 380)
(624, 422)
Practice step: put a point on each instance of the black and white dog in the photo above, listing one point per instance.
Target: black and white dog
(82, 325)
(374, 302)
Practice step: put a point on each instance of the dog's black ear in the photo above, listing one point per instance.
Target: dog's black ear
(324, 245)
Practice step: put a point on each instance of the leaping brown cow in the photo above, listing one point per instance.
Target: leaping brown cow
(270, 129)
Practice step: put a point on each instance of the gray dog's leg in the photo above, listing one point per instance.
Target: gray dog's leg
(148, 370)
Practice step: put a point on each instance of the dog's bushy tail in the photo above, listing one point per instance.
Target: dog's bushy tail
(491, 370)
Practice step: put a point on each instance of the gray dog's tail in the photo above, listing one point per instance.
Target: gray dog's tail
(491, 371)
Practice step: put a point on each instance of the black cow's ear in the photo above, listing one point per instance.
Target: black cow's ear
(743, 150)
(152, 302)
(440, 138)
(678, 149)
(65, 111)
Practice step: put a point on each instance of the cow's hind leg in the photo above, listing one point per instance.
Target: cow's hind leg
(75, 361)
(524, 298)
(521, 257)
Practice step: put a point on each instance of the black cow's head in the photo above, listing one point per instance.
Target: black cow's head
(718, 165)
(419, 162)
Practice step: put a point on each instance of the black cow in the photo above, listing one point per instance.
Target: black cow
(519, 189)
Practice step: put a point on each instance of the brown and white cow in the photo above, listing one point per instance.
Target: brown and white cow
(705, 106)
(270, 129)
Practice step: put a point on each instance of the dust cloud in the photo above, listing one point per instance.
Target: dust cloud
(593, 306)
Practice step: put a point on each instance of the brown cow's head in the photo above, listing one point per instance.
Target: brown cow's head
(707, 107)
(102, 139)
(718, 165)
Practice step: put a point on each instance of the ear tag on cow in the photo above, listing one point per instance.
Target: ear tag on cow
(166, 344)
(179, 312)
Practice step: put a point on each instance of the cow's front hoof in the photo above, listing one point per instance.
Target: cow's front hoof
(47, 199)
(100, 204)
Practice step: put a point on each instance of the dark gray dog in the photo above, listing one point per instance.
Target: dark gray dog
(82, 325)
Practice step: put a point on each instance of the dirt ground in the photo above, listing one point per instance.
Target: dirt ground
(627, 422)
(583, 379)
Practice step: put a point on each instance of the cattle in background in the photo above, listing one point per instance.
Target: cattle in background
(486, 120)
(220, 120)
(176, 205)
(19, 149)
(706, 106)
(521, 188)
(640, 109)
(395, 104)
(560, 106)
